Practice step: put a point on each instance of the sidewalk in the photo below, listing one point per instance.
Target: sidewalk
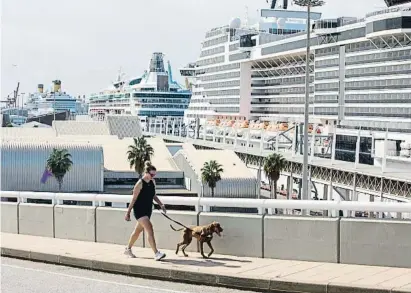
(230, 271)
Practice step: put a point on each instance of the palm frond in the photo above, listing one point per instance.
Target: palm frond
(139, 152)
(59, 163)
(274, 164)
(211, 173)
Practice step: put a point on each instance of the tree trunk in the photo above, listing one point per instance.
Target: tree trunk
(272, 189)
(212, 192)
(60, 185)
(275, 195)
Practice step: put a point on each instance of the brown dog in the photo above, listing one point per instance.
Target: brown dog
(202, 234)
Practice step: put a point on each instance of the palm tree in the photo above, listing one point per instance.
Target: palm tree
(59, 163)
(273, 165)
(138, 153)
(211, 174)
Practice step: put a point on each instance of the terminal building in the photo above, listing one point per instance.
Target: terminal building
(100, 165)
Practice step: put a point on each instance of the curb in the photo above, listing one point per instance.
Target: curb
(176, 275)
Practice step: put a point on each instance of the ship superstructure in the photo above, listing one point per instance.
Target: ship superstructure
(360, 77)
(52, 100)
(153, 94)
(220, 70)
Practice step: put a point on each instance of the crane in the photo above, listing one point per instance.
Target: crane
(11, 101)
(274, 2)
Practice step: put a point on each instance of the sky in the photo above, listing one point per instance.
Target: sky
(85, 42)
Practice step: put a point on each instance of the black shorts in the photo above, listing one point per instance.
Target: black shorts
(139, 213)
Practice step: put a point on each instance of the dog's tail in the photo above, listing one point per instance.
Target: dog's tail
(176, 229)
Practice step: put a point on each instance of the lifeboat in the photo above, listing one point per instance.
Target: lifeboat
(283, 126)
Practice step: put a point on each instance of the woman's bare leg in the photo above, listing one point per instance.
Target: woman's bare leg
(148, 227)
(134, 235)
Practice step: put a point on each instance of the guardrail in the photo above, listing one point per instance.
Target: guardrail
(204, 203)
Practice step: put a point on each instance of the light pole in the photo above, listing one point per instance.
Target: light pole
(308, 4)
(54, 106)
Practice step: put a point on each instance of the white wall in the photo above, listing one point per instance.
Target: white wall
(9, 217)
(36, 219)
(75, 222)
(358, 241)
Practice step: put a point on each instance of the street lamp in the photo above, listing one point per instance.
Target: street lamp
(308, 4)
(54, 106)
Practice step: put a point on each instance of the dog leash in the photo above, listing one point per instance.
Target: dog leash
(172, 220)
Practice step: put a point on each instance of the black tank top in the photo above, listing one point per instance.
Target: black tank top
(145, 198)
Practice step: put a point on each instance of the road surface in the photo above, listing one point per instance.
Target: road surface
(19, 276)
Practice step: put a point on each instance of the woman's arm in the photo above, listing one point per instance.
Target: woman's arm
(158, 201)
(136, 192)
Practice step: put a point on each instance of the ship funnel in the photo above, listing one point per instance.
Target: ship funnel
(157, 62)
(56, 86)
(40, 88)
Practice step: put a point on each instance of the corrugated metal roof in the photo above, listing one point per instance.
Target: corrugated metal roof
(7, 132)
(23, 163)
(89, 138)
(46, 145)
(124, 125)
(114, 149)
(119, 125)
(73, 127)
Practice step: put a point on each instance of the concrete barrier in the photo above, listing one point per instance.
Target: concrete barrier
(9, 217)
(298, 238)
(36, 219)
(75, 222)
(166, 238)
(242, 234)
(112, 228)
(352, 241)
(376, 242)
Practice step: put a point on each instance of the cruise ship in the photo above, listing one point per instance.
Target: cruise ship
(153, 94)
(360, 77)
(54, 100)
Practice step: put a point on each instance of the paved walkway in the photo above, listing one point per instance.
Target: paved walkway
(230, 271)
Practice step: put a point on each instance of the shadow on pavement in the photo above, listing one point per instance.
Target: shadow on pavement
(232, 259)
(199, 263)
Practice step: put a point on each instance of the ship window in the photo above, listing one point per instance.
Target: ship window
(352, 34)
(389, 24)
(292, 45)
(213, 51)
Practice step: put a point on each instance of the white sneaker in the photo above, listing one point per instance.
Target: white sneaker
(159, 256)
(129, 253)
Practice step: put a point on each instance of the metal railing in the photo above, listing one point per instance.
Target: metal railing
(204, 203)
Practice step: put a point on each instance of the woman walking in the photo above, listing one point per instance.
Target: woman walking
(144, 193)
